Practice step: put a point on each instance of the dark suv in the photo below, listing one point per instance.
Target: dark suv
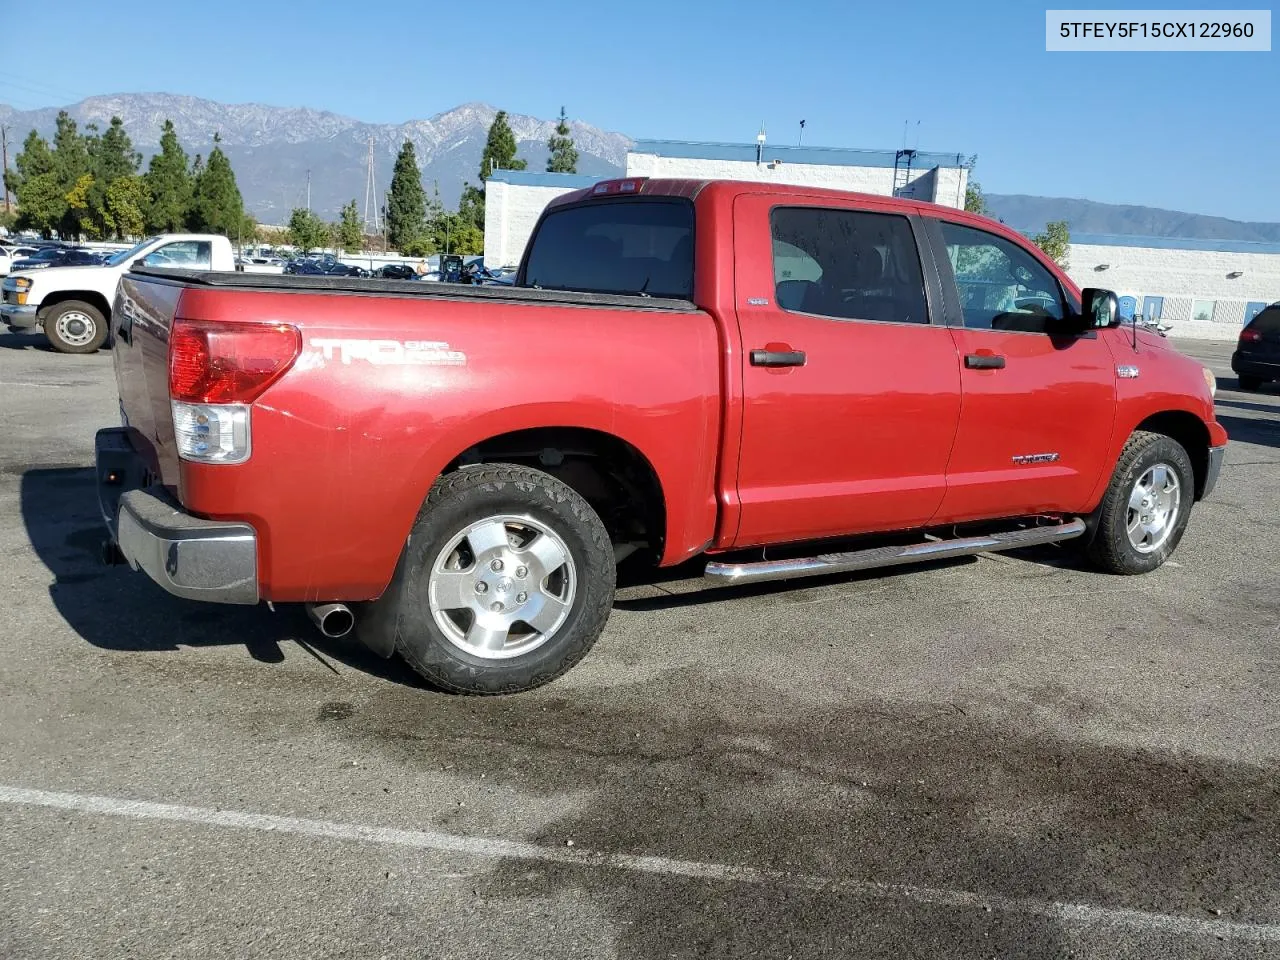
(1257, 356)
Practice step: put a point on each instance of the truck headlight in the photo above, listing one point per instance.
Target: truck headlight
(21, 283)
(1212, 381)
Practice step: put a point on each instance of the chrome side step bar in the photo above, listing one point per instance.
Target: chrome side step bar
(890, 556)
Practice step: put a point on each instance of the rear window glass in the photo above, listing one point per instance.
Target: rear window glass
(616, 246)
(1268, 321)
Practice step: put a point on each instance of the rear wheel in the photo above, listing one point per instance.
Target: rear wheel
(1249, 383)
(506, 582)
(75, 327)
(1146, 507)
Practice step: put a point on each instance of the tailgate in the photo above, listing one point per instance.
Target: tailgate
(141, 319)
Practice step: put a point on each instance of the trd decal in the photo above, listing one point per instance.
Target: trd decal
(1035, 458)
(387, 353)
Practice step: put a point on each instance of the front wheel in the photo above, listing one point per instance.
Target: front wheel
(75, 327)
(506, 582)
(1146, 507)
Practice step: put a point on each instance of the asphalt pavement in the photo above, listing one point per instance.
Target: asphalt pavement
(999, 756)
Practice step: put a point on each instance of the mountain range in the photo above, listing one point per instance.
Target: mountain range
(279, 153)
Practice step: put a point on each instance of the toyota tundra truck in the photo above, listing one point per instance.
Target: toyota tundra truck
(682, 369)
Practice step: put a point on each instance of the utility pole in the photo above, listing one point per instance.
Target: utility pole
(370, 195)
(4, 148)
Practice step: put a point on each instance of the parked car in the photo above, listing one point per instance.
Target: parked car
(57, 257)
(73, 304)
(397, 271)
(9, 254)
(1257, 356)
(510, 446)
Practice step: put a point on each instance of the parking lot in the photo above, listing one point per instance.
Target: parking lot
(1000, 756)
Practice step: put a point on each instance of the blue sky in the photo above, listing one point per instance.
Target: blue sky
(1187, 131)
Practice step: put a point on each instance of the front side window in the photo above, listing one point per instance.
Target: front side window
(1001, 285)
(187, 254)
(847, 264)
(615, 246)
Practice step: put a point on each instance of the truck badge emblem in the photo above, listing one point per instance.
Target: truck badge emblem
(758, 301)
(381, 353)
(1126, 371)
(1035, 458)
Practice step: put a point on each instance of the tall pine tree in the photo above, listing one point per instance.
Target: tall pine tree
(169, 184)
(111, 158)
(350, 233)
(71, 165)
(564, 156)
(216, 204)
(499, 148)
(41, 200)
(406, 202)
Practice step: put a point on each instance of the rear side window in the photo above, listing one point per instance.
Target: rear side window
(190, 254)
(616, 246)
(847, 264)
(1268, 321)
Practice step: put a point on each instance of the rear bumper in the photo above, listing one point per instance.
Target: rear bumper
(1267, 369)
(19, 317)
(1216, 455)
(211, 560)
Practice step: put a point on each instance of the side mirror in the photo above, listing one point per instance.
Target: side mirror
(1099, 309)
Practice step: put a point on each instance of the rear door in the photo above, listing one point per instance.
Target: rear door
(1038, 402)
(851, 395)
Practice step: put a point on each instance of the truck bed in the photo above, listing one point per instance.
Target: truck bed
(277, 283)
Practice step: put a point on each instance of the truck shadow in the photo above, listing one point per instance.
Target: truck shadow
(1264, 433)
(114, 608)
(25, 341)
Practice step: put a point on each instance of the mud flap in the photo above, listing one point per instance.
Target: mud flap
(378, 622)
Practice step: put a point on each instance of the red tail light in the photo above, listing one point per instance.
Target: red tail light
(212, 362)
(1250, 336)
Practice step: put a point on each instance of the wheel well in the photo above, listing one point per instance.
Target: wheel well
(1190, 431)
(91, 297)
(609, 473)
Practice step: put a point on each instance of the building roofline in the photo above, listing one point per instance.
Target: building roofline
(824, 156)
(537, 178)
(1177, 243)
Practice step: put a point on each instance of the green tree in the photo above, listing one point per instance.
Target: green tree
(126, 205)
(307, 231)
(471, 206)
(42, 203)
(111, 158)
(564, 156)
(79, 219)
(216, 204)
(1055, 241)
(499, 148)
(71, 164)
(41, 199)
(168, 184)
(350, 232)
(974, 201)
(406, 201)
(455, 233)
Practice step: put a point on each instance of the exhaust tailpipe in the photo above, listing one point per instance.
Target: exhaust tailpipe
(332, 619)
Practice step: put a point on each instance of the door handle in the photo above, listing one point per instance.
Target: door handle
(777, 358)
(984, 361)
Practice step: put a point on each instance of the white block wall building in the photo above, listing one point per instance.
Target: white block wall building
(515, 198)
(1202, 288)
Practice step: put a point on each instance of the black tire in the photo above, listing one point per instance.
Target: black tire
(1249, 383)
(1111, 548)
(76, 316)
(458, 500)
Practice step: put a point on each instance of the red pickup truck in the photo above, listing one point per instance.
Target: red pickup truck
(682, 368)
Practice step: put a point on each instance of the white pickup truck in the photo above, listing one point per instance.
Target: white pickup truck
(73, 304)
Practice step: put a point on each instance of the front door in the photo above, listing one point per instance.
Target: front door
(850, 395)
(1038, 404)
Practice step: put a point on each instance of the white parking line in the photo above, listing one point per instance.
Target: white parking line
(1078, 914)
